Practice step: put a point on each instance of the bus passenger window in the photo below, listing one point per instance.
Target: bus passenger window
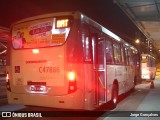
(132, 58)
(123, 55)
(117, 53)
(109, 52)
(126, 56)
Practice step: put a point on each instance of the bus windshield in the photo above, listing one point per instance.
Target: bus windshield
(41, 33)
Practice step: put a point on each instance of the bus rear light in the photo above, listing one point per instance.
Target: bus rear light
(72, 87)
(71, 76)
(35, 51)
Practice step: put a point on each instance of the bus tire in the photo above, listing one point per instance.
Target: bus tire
(114, 99)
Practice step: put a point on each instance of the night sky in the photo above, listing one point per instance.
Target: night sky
(105, 12)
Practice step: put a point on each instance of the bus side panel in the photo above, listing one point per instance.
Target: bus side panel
(123, 74)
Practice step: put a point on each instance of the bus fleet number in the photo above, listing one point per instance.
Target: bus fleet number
(49, 69)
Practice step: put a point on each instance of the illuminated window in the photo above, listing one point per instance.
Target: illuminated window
(60, 31)
(109, 52)
(117, 53)
(127, 56)
(41, 32)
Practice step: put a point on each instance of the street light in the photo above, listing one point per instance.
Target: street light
(137, 41)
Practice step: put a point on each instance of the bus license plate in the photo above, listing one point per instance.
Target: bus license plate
(37, 88)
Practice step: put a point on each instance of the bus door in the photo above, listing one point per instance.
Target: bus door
(99, 66)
